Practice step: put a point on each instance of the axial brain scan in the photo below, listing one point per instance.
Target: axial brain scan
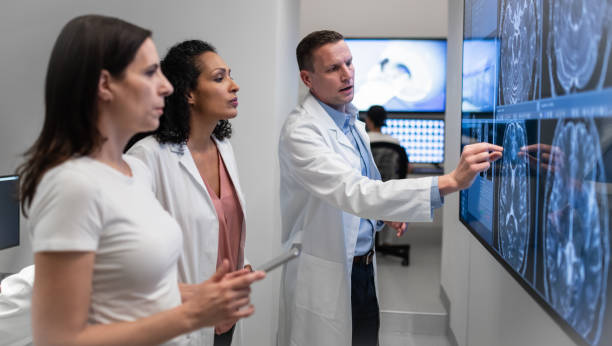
(514, 208)
(519, 46)
(576, 224)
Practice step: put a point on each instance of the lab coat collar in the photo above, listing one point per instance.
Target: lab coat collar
(342, 119)
(312, 106)
(186, 160)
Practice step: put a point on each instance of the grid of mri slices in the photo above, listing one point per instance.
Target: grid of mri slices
(423, 139)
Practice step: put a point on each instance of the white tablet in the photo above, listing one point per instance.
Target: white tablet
(279, 260)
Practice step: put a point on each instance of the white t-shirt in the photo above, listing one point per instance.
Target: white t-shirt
(85, 205)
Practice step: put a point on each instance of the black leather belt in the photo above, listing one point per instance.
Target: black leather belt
(364, 259)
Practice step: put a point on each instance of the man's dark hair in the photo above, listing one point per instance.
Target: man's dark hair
(378, 115)
(311, 42)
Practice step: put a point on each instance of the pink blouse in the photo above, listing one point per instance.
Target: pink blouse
(231, 218)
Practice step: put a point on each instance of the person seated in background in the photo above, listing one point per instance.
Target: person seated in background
(375, 120)
(15, 298)
(105, 250)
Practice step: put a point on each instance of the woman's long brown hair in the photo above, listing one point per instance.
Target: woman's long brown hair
(85, 46)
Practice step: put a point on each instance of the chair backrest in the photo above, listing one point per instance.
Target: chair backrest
(391, 160)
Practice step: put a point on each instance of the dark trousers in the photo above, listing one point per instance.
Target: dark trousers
(225, 339)
(366, 316)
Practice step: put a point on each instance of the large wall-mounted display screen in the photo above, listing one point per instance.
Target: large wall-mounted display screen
(537, 80)
(402, 75)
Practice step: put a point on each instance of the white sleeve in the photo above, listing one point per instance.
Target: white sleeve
(15, 307)
(326, 174)
(66, 213)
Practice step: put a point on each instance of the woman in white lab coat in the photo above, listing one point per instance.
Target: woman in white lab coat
(194, 171)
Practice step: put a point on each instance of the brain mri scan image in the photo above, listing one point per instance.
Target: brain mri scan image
(576, 227)
(577, 29)
(519, 47)
(514, 210)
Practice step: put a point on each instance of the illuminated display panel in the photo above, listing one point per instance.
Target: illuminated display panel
(423, 139)
(537, 80)
(402, 75)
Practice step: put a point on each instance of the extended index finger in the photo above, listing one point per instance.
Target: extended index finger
(484, 146)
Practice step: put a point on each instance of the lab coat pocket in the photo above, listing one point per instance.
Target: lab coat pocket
(318, 285)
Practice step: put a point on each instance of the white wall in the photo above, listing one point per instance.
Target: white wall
(455, 244)
(488, 307)
(256, 38)
(387, 18)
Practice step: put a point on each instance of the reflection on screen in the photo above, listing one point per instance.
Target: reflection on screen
(423, 139)
(402, 75)
(538, 82)
(9, 212)
(479, 75)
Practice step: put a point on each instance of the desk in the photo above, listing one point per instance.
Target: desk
(426, 170)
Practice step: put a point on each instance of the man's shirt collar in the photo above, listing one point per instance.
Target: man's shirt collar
(342, 120)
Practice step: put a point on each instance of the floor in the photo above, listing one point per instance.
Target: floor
(409, 297)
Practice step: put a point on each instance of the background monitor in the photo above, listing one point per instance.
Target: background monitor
(402, 75)
(9, 212)
(538, 82)
(15, 246)
(422, 138)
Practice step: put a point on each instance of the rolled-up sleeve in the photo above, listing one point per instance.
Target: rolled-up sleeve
(436, 200)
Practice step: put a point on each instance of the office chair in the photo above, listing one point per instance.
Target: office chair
(392, 162)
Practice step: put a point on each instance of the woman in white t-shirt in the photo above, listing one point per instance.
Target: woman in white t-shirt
(105, 250)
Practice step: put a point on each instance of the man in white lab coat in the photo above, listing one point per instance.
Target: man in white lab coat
(331, 197)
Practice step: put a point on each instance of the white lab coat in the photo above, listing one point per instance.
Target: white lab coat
(322, 193)
(181, 191)
(15, 308)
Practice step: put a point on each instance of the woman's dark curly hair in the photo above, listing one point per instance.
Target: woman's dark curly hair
(181, 68)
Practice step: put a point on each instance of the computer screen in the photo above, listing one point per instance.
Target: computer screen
(402, 75)
(9, 212)
(537, 80)
(423, 139)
